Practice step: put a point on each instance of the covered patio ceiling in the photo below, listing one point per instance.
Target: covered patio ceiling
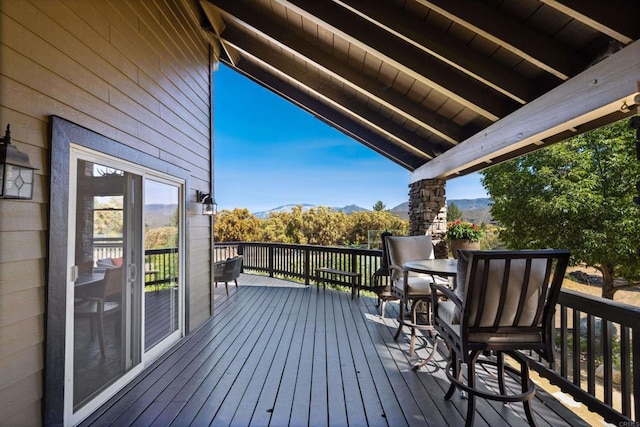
(442, 88)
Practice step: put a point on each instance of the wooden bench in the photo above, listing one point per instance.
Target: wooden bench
(323, 274)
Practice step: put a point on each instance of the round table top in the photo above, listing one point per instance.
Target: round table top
(440, 267)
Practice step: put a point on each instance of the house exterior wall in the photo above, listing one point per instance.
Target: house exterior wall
(135, 71)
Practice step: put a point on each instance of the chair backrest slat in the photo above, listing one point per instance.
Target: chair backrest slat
(510, 289)
(408, 248)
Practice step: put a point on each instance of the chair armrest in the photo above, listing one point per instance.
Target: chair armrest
(396, 267)
(446, 292)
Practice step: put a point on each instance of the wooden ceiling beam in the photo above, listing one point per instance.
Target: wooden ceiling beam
(457, 54)
(541, 51)
(616, 19)
(410, 61)
(252, 20)
(251, 49)
(609, 86)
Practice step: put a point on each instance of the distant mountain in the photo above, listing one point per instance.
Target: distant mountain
(305, 206)
(158, 215)
(471, 204)
(473, 210)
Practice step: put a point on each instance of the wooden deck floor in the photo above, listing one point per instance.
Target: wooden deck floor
(292, 356)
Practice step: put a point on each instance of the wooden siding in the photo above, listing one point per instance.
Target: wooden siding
(135, 71)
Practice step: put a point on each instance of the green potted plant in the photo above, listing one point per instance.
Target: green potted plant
(463, 235)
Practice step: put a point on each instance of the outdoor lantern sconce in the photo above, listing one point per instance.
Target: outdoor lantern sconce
(16, 173)
(209, 206)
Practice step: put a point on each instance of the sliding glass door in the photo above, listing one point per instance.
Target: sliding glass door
(125, 293)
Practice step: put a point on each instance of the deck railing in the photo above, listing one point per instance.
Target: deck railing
(597, 350)
(160, 265)
(598, 340)
(299, 262)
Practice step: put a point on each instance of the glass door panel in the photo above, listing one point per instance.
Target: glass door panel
(161, 263)
(106, 285)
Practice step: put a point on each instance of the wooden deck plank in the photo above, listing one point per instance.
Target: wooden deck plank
(350, 375)
(434, 384)
(198, 355)
(392, 410)
(254, 369)
(319, 405)
(269, 392)
(296, 361)
(210, 395)
(336, 393)
(278, 356)
(356, 339)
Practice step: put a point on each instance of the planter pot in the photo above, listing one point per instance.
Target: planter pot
(454, 245)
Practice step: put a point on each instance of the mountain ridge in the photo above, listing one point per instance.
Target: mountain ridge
(474, 210)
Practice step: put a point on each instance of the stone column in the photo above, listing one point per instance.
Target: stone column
(428, 211)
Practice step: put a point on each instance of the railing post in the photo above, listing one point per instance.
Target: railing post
(270, 254)
(307, 265)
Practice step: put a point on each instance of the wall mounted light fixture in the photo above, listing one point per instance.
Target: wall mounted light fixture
(16, 173)
(209, 206)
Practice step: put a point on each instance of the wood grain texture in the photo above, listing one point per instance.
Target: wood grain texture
(275, 353)
(134, 71)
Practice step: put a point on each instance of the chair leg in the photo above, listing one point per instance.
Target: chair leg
(414, 321)
(525, 383)
(500, 366)
(455, 368)
(226, 287)
(383, 305)
(101, 332)
(400, 322)
(471, 382)
(236, 280)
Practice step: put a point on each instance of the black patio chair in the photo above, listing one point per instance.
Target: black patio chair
(504, 303)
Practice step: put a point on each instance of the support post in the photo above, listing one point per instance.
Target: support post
(428, 212)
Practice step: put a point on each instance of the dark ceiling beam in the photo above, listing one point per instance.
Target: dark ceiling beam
(607, 87)
(251, 48)
(489, 23)
(250, 19)
(330, 116)
(446, 49)
(417, 64)
(616, 19)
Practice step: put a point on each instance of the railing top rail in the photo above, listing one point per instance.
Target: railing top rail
(337, 249)
(624, 314)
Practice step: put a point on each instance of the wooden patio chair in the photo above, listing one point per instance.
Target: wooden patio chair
(106, 303)
(409, 287)
(381, 284)
(226, 271)
(504, 302)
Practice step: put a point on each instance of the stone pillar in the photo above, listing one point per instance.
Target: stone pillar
(428, 212)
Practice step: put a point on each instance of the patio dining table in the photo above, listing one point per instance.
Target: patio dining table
(434, 267)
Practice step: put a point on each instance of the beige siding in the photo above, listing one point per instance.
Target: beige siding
(135, 71)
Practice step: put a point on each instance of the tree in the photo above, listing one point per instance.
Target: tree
(361, 222)
(576, 195)
(238, 225)
(453, 212)
(379, 206)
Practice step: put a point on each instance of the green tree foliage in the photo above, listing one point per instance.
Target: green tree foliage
(238, 225)
(162, 237)
(453, 212)
(575, 195)
(361, 222)
(107, 219)
(379, 206)
(316, 226)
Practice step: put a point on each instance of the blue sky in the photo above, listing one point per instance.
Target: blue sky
(269, 153)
